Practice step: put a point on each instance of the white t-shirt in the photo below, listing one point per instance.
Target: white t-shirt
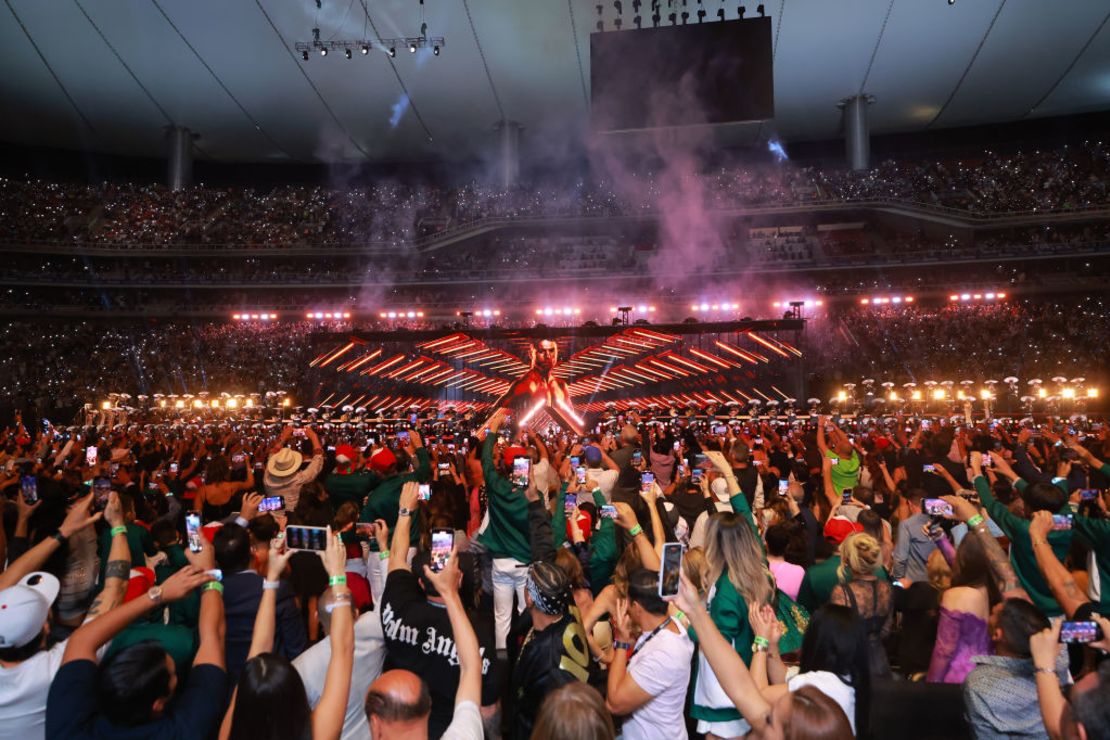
(23, 690)
(605, 480)
(466, 723)
(312, 664)
(661, 668)
(831, 686)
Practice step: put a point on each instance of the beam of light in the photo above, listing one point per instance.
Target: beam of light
(382, 366)
(342, 351)
(766, 344)
(397, 110)
(566, 409)
(363, 360)
(528, 417)
(774, 146)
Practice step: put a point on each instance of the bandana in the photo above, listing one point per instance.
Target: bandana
(551, 604)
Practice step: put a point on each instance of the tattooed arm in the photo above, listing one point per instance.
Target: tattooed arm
(1060, 581)
(118, 571)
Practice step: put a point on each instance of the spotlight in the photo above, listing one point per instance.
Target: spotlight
(435, 50)
(638, 21)
(393, 51)
(685, 17)
(412, 48)
(759, 9)
(617, 23)
(304, 55)
(701, 15)
(741, 10)
(619, 6)
(655, 20)
(720, 14)
(636, 6)
(673, 18)
(951, 2)
(365, 49)
(347, 53)
(324, 51)
(423, 30)
(600, 26)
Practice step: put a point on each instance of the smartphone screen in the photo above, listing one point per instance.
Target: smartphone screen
(647, 480)
(987, 460)
(425, 492)
(272, 503)
(1061, 522)
(521, 467)
(192, 531)
(102, 488)
(174, 468)
(1088, 494)
(930, 468)
(570, 502)
(575, 461)
(29, 485)
(784, 486)
(670, 568)
(677, 445)
(444, 467)
(847, 495)
(637, 456)
(937, 507)
(608, 512)
(834, 460)
(1079, 633)
(403, 437)
(442, 541)
(298, 537)
(580, 474)
(90, 455)
(365, 529)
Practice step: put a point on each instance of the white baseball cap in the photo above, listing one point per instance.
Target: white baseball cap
(24, 607)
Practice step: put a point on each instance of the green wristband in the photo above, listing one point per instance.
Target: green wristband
(337, 581)
(383, 555)
(213, 586)
(121, 529)
(761, 641)
(635, 531)
(975, 521)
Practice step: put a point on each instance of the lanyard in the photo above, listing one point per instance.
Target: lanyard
(647, 639)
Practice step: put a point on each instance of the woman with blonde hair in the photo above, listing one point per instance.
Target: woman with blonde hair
(575, 711)
(739, 578)
(868, 596)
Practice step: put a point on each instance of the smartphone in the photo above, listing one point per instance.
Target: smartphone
(444, 467)
(575, 461)
(784, 486)
(442, 542)
(298, 537)
(695, 477)
(174, 467)
(670, 569)
(608, 512)
(834, 460)
(1061, 522)
(271, 503)
(521, 467)
(365, 529)
(580, 474)
(1088, 494)
(987, 460)
(570, 502)
(238, 460)
(192, 531)
(846, 495)
(90, 455)
(102, 488)
(403, 437)
(29, 485)
(937, 507)
(298, 432)
(700, 459)
(929, 468)
(677, 445)
(1080, 633)
(646, 482)
(637, 457)
(425, 492)
(720, 429)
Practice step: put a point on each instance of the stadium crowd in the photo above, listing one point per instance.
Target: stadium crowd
(393, 213)
(819, 578)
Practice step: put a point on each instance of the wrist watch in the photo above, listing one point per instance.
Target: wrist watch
(404, 512)
(155, 594)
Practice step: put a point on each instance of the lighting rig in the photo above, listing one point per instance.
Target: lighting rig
(348, 48)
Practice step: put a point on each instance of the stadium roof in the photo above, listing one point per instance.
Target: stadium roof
(109, 76)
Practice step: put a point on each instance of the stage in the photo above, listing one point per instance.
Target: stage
(625, 365)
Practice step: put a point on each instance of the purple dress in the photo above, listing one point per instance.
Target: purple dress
(960, 637)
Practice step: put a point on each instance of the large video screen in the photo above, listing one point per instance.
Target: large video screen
(684, 75)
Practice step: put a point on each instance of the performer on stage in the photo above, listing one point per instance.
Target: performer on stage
(540, 389)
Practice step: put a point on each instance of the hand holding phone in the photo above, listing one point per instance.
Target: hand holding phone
(192, 532)
(670, 570)
(443, 540)
(522, 466)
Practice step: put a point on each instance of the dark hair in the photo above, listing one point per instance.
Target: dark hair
(129, 682)
(872, 523)
(777, 538)
(263, 528)
(836, 641)
(1020, 620)
(233, 548)
(164, 533)
(1092, 707)
(914, 495)
(1043, 497)
(390, 710)
(643, 589)
(271, 701)
(217, 471)
(973, 568)
(314, 509)
(21, 653)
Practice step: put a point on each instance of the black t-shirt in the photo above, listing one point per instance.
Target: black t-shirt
(548, 659)
(418, 638)
(71, 710)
